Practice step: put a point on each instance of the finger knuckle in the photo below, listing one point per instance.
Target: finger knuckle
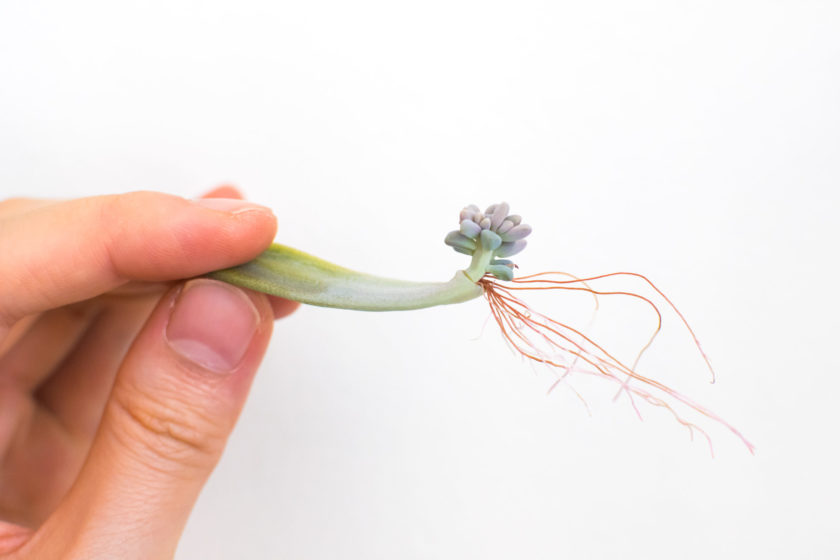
(169, 429)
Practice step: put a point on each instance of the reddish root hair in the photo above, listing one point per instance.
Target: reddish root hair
(548, 341)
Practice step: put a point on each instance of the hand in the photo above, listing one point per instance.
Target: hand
(119, 384)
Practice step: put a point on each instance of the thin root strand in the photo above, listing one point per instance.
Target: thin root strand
(548, 341)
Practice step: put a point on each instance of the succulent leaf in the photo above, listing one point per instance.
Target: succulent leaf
(510, 248)
(506, 225)
(517, 232)
(490, 240)
(458, 239)
(501, 272)
(500, 212)
(470, 228)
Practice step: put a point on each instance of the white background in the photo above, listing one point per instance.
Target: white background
(694, 142)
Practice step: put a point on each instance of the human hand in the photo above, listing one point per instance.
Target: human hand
(119, 385)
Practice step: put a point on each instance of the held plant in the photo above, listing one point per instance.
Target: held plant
(488, 237)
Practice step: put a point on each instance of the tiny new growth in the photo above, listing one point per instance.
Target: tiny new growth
(488, 238)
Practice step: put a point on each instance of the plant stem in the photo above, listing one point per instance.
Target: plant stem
(292, 274)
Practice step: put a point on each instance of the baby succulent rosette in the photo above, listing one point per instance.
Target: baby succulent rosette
(488, 237)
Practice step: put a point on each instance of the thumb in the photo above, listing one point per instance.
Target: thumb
(174, 403)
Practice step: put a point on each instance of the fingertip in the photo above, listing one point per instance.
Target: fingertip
(85, 247)
(175, 237)
(224, 191)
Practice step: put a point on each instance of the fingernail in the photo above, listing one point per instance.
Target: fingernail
(212, 324)
(230, 205)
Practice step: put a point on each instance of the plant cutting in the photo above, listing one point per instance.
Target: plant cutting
(489, 238)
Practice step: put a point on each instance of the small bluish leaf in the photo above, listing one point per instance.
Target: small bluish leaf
(506, 225)
(501, 272)
(511, 248)
(518, 232)
(470, 229)
(469, 212)
(490, 241)
(500, 212)
(458, 239)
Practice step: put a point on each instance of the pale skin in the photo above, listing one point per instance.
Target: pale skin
(120, 382)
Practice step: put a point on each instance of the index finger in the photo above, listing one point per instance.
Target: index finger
(60, 253)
